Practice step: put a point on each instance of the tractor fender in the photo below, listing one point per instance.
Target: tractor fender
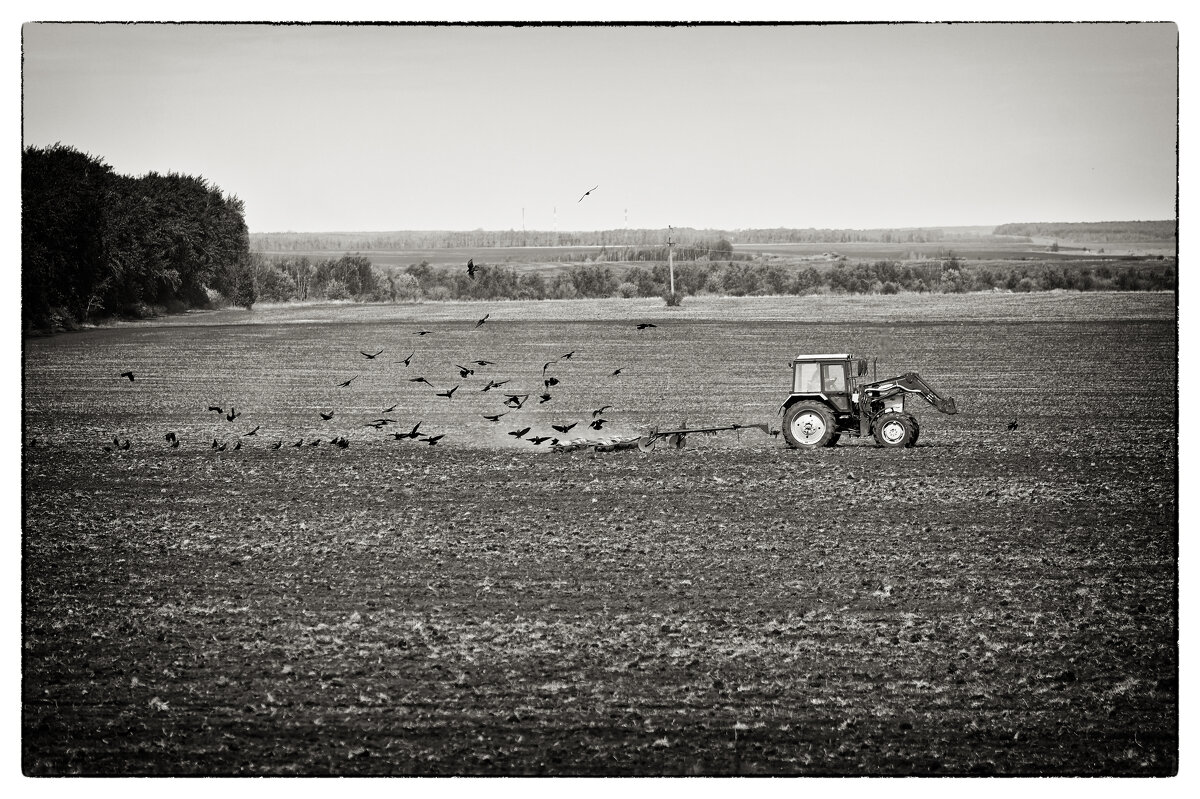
(792, 400)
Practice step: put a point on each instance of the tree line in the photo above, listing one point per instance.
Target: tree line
(97, 243)
(1136, 231)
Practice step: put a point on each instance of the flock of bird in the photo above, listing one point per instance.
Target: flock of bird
(513, 401)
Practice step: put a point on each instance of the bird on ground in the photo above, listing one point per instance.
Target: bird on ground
(448, 394)
(117, 441)
(341, 442)
(126, 444)
(537, 440)
(484, 363)
(299, 443)
(471, 267)
(175, 443)
(388, 410)
(422, 333)
(215, 408)
(129, 375)
(519, 433)
(371, 357)
(326, 416)
(170, 436)
(277, 444)
(495, 418)
(433, 440)
(223, 446)
(464, 371)
(645, 325)
(407, 361)
(347, 382)
(599, 411)
(233, 414)
(596, 425)
(314, 442)
(544, 398)
(422, 380)
(1012, 425)
(586, 193)
(214, 444)
(253, 432)
(564, 428)
(481, 321)
(238, 445)
(615, 373)
(107, 448)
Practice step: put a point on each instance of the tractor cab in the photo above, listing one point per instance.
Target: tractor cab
(832, 378)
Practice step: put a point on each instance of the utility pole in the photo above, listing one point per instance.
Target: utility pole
(671, 259)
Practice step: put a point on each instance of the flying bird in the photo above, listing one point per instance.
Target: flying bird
(495, 418)
(371, 357)
(471, 267)
(544, 398)
(348, 382)
(407, 361)
(546, 366)
(515, 400)
(422, 333)
(233, 414)
(566, 357)
(551, 381)
(599, 411)
(388, 410)
(433, 440)
(412, 433)
(596, 425)
(484, 363)
(238, 445)
(616, 372)
(253, 432)
(536, 440)
(493, 384)
(326, 416)
(448, 394)
(645, 325)
(564, 428)
(481, 321)
(463, 371)
(586, 193)
(519, 433)
(129, 375)
(215, 408)
(421, 380)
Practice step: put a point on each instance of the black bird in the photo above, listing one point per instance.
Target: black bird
(412, 433)
(484, 363)
(237, 445)
(599, 411)
(551, 381)
(222, 447)
(546, 366)
(433, 440)
(126, 444)
(253, 432)
(1012, 425)
(170, 436)
(326, 416)
(129, 375)
(214, 444)
(519, 433)
(299, 443)
(515, 400)
(380, 422)
(277, 444)
(493, 384)
(341, 442)
(215, 408)
(422, 333)
(566, 357)
(564, 428)
(348, 382)
(370, 357)
(471, 267)
(107, 448)
(617, 372)
(645, 325)
(175, 443)
(233, 414)
(314, 442)
(422, 380)
(536, 440)
(388, 410)
(554, 442)
(448, 394)
(586, 193)
(407, 361)
(544, 398)
(495, 418)
(117, 441)
(464, 371)
(596, 425)
(481, 321)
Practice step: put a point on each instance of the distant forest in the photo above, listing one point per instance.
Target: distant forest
(1092, 231)
(96, 243)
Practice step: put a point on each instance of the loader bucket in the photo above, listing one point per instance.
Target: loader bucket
(946, 405)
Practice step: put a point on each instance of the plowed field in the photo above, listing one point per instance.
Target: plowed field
(992, 601)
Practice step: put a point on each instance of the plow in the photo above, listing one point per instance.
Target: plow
(672, 439)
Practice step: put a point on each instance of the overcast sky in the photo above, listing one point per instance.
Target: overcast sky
(327, 128)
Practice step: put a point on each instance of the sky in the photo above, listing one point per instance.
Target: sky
(376, 128)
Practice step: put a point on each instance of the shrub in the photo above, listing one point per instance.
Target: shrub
(673, 300)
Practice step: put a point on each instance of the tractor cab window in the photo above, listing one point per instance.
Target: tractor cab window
(835, 377)
(808, 378)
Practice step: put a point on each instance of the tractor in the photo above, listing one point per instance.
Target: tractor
(828, 400)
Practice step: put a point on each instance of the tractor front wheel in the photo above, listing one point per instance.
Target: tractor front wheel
(895, 430)
(808, 425)
(912, 442)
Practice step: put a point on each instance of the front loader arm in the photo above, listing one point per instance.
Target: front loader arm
(910, 383)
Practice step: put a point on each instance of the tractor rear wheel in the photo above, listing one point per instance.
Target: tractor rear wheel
(808, 425)
(833, 440)
(894, 430)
